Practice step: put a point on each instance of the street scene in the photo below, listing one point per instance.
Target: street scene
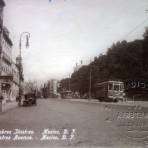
(83, 124)
(73, 73)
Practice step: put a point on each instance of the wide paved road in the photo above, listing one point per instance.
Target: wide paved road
(85, 124)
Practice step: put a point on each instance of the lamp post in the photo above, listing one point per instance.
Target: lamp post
(27, 35)
(19, 61)
(69, 87)
(90, 81)
(90, 77)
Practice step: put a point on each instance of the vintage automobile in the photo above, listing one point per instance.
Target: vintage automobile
(67, 94)
(28, 99)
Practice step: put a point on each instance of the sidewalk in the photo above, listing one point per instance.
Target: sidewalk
(128, 103)
(9, 106)
(84, 100)
(137, 103)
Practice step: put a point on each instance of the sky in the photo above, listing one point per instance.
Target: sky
(64, 32)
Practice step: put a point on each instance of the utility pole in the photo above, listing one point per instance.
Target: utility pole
(69, 82)
(90, 77)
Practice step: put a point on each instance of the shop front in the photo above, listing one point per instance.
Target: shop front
(6, 88)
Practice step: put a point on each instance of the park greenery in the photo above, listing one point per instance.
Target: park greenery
(123, 60)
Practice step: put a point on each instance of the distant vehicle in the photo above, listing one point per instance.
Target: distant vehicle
(111, 91)
(66, 94)
(29, 99)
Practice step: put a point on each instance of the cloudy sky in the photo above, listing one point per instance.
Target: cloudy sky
(64, 32)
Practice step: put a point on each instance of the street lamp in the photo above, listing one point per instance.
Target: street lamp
(27, 35)
(90, 79)
(69, 87)
(19, 60)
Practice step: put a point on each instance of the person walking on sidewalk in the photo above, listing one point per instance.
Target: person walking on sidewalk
(1, 99)
(19, 99)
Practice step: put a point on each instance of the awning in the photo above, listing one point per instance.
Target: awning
(6, 77)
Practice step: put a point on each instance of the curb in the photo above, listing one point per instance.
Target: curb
(128, 103)
(8, 106)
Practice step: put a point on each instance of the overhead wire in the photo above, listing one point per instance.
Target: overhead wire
(135, 28)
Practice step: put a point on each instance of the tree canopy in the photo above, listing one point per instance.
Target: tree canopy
(123, 60)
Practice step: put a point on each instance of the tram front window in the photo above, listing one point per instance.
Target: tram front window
(116, 87)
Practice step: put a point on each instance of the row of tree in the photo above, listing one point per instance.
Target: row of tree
(123, 60)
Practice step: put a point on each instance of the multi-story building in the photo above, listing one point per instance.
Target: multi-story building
(30, 87)
(2, 4)
(6, 53)
(14, 82)
(9, 73)
(53, 87)
(78, 66)
(50, 89)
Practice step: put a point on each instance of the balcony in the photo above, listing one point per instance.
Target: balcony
(7, 59)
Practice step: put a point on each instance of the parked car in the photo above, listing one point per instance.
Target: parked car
(29, 99)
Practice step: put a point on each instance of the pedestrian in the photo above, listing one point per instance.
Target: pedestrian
(1, 99)
(34, 97)
(19, 100)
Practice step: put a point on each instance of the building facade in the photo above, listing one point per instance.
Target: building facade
(50, 89)
(53, 87)
(2, 4)
(14, 82)
(9, 72)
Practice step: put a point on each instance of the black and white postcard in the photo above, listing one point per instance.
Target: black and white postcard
(74, 73)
